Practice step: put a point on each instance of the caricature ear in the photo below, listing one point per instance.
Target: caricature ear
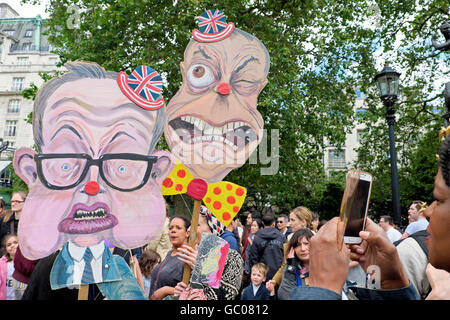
(163, 166)
(183, 71)
(263, 84)
(25, 166)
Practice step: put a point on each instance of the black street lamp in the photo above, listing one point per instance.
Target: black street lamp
(387, 81)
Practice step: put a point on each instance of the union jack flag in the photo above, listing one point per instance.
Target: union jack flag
(143, 87)
(146, 82)
(211, 21)
(212, 27)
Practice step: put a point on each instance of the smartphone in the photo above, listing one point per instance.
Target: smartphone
(355, 204)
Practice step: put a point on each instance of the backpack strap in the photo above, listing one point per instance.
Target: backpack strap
(419, 236)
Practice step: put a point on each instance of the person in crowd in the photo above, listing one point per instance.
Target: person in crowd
(256, 225)
(162, 243)
(282, 225)
(386, 222)
(416, 217)
(10, 221)
(230, 282)
(296, 272)
(169, 272)
(10, 243)
(2, 207)
(267, 246)
(256, 290)
(299, 218)
(328, 265)
(230, 236)
(23, 269)
(314, 221)
(147, 262)
(321, 223)
(413, 253)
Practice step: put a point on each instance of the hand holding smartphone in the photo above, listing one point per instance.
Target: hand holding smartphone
(355, 204)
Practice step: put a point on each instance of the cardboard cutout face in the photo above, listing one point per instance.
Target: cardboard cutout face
(96, 175)
(213, 121)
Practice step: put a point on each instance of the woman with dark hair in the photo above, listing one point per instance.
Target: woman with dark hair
(256, 225)
(230, 283)
(169, 272)
(296, 272)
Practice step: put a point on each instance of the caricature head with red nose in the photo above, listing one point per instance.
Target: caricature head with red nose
(96, 175)
(213, 121)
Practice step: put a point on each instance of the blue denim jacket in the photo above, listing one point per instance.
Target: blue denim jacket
(316, 293)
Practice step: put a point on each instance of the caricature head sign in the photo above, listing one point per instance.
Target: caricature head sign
(213, 123)
(96, 175)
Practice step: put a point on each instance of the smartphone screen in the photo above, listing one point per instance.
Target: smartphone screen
(355, 202)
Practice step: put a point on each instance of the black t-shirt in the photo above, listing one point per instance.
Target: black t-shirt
(168, 273)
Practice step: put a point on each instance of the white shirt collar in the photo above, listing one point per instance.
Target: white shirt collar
(255, 289)
(77, 252)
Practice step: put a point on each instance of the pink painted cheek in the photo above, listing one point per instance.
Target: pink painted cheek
(38, 226)
(141, 218)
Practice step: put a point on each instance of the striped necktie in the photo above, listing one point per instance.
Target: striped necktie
(88, 276)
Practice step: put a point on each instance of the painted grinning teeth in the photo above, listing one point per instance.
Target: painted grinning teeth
(206, 128)
(89, 215)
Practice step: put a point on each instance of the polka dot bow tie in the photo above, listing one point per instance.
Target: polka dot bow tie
(224, 199)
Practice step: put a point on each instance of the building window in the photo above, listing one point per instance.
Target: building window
(22, 61)
(361, 133)
(9, 32)
(28, 33)
(14, 106)
(26, 46)
(336, 159)
(10, 128)
(18, 84)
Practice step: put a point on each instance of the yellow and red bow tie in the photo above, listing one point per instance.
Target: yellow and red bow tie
(224, 199)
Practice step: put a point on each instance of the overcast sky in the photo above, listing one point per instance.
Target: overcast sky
(28, 10)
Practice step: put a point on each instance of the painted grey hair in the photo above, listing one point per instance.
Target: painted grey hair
(82, 70)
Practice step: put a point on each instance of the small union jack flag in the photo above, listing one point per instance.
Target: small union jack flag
(212, 26)
(211, 21)
(143, 87)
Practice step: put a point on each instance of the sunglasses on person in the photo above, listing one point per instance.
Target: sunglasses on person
(17, 201)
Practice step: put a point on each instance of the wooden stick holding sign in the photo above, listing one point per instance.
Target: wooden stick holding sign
(192, 238)
(223, 198)
(83, 292)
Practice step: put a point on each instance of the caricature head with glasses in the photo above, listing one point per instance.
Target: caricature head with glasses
(96, 174)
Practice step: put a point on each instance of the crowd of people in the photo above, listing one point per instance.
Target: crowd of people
(280, 257)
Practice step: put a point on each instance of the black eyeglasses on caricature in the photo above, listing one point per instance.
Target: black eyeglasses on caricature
(121, 171)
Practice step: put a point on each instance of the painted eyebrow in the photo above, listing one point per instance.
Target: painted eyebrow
(66, 126)
(120, 133)
(245, 64)
(202, 52)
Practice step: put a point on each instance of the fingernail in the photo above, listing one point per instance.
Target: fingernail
(364, 234)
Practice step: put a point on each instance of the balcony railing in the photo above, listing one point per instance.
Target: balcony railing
(336, 163)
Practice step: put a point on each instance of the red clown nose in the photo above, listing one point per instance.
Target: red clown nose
(224, 89)
(92, 188)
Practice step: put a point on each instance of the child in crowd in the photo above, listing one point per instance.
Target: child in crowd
(257, 289)
(149, 259)
(10, 244)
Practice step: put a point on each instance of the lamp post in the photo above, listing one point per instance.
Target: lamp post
(387, 81)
